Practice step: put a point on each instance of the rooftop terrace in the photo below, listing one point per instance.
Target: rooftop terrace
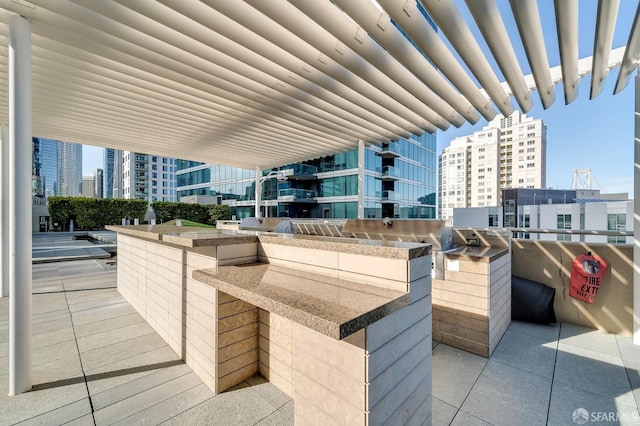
(96, 361)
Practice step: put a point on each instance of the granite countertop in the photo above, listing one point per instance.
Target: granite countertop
(185, 236)
(379, 248)
(334, 307)
(198, 237)
(486, 254)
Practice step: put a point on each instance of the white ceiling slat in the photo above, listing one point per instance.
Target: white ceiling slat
(299, 25)
(151, 90)
(437, 93)
(253, 67)
(253, 83)
(631, 54)
(487, 17)
(527, 19)
(567, 28)
(255, 21)
(448, 18)
(603, 39)
(176, 61)
(231, 100)
(426, 38)
(216, 23)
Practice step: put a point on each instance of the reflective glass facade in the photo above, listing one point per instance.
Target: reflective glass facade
(395, 180)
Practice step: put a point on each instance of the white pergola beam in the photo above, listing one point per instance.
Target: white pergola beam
(365, 17)
(447, 16)
(428, 41)
(491, 25)
(605, 26)
(631, 55)
(196, 15)
(527, 19)
(567, 28)
(300, 26)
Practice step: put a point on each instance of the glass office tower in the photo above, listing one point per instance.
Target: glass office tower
(396, 179)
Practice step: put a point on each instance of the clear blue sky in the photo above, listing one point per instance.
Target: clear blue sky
(596, 134)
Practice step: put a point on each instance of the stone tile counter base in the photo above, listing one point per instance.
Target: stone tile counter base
(344, 357)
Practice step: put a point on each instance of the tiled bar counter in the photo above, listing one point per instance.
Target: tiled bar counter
(343, 326)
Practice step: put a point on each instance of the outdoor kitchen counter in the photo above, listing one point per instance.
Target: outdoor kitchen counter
(332, 306)
(202, 237)
(477, 253)
(341, 325)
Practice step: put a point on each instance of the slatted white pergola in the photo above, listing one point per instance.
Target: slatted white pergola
(260, 83)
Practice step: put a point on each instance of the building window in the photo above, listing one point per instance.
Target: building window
(616, 222)
(493, 220)
(564, 222)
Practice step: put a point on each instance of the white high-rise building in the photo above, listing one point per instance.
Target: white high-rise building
(148, 177)
(507, 153)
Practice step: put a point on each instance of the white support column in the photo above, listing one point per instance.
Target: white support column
(258, 191)
(636, 219)
(20, 379)
(4, 212)
(361, 182)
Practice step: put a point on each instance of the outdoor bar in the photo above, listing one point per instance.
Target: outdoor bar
(341, 325)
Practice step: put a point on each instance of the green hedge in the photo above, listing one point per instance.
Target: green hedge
(219, 212)
(166, 211)
(91, 213)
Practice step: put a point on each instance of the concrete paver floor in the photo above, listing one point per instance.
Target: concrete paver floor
(97, 362)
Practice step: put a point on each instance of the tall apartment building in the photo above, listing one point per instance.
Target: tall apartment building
(112, 160)
(69, 169)
(147, 177)
(98, 182)
(396, 179)
(507, 153)
(60, 167)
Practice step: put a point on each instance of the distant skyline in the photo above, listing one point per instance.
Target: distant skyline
(596, 134)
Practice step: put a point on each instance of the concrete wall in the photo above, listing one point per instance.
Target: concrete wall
(549, 262)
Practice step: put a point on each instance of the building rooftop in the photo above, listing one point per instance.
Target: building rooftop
(95, 361)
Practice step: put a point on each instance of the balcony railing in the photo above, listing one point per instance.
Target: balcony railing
(390, 172)
(389, 151)
(299, 170)
(388, 195)
(293, 194)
